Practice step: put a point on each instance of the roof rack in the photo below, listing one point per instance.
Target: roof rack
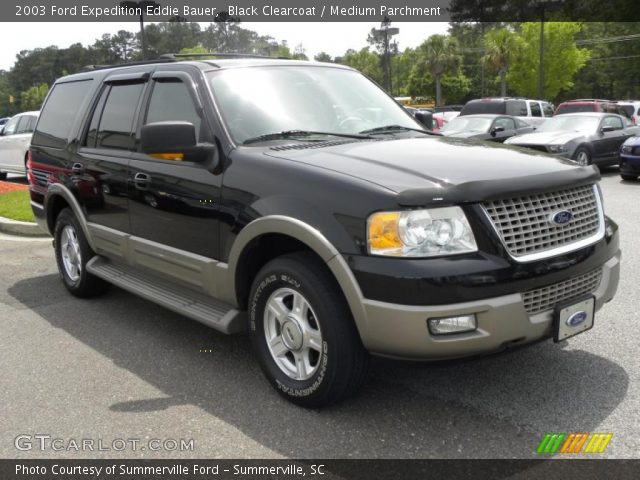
(88, 68)
(174, 56)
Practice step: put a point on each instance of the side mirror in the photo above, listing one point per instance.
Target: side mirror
(607, 128)
(495, 130)
(425, 119)
(175, 141)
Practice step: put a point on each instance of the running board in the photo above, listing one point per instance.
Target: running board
(198, 306)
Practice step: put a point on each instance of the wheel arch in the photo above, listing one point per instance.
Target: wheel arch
(285, 234)
(59, 197)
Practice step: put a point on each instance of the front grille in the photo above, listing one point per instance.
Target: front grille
(524, 223)
(540, 148)
(545, 298)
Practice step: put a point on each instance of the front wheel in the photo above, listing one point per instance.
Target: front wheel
(72, 254)
(303, 333)
(628, 177)
(582, 156)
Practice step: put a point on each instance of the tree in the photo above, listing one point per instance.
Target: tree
(440, 56)
(562, 60)
(500, 46)
(32, 98)
(323, 57)
(365, 61)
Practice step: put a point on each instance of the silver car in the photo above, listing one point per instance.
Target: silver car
(587, 138)
(14, 143)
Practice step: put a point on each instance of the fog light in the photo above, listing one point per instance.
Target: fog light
(444, 326)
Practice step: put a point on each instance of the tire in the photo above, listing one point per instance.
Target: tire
(72, 254)
(325, 340)
(3, 175)
(630, 178)
(582, 155)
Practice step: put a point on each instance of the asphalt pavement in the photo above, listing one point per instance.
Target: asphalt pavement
(120, 368)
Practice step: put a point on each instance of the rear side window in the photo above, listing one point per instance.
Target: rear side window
(629, 109)
(59, 113)
(483, 106)
(547, 109)
(171, 101)
(27, 123)
(575, 108)
(112, 123)
(517, 108)
(536, 111)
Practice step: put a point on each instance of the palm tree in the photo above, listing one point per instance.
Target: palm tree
(440, 53)
(500, 46)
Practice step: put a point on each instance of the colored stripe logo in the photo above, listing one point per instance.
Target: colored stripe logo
(573, 443)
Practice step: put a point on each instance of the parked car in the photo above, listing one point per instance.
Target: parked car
(448, 108)
(14, 143)
(632, 107)
(496, 128)
(630, 158)
(584, 137)
(323, 231)
(592, 105)
(534, 112)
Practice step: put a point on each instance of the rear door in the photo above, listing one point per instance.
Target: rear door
(174, 203)
(100, 168)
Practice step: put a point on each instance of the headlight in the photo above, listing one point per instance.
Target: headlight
(420, 233)
(557, 148)
(626, 148)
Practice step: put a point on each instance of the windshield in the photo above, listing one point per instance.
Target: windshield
(570, 124)
(466, 124)
(255, 101)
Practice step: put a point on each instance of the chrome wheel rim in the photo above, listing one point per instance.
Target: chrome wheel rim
(70, 250)
(582, 158)
(293, 334)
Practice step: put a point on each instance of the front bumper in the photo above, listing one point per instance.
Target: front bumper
(629, 164)
(401, 331)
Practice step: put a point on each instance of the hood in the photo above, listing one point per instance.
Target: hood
(545, 138)
(633, 141)
(442, 169)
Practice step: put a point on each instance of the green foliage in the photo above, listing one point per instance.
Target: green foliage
(562, 59)
(32, 98)
(500, 46)
(455, 88)
(439, 53)
(365, 61)
(323, 57)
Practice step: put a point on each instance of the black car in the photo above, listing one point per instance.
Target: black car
(496, 128)
(300, 203)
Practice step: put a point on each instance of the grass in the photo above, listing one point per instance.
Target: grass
(15, 205)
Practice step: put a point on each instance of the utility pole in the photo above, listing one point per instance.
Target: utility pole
(142, 5)
(386, 32)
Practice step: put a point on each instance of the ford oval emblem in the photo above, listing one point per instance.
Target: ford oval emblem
(561, 217)
(577, 318)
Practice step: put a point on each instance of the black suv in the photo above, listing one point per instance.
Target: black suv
(299, 202)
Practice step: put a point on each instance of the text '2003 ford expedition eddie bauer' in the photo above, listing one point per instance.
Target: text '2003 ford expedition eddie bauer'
(297, 201)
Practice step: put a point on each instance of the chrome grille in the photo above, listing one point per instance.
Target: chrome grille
(524, 226)
(545, 298)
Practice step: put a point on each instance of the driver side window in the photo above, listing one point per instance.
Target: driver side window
(614, 122)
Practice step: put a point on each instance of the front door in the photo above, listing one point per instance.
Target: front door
(175, 203)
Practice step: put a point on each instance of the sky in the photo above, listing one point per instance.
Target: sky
(333, 38)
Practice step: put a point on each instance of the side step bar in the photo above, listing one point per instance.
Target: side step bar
(198, 306)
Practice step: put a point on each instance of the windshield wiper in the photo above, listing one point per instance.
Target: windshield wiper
(298, 133)
(396, 128)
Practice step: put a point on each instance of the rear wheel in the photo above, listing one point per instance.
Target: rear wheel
(3, 175)
(303, 333)
(628, 177)
(72, 254)
(582, 156)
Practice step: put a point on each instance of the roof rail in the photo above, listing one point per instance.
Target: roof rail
(88, 68)
(174, 56)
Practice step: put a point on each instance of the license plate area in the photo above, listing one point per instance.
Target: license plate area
(573, 317)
